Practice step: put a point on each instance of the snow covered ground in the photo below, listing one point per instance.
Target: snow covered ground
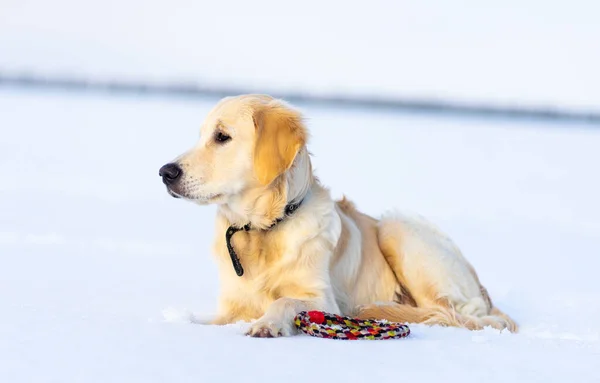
(523, 52)
(99, 267)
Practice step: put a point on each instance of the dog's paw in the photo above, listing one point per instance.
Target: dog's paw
(264, 328)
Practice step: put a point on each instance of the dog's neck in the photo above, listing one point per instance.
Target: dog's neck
(262, 206)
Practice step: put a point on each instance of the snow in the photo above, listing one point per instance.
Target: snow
(523, 52)
(102, 270)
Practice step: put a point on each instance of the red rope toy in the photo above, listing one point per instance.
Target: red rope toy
(325, 325)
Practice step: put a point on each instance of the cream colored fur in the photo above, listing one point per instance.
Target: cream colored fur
(327, 256)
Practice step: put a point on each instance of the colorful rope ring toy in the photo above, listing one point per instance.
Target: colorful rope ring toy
(324, 325)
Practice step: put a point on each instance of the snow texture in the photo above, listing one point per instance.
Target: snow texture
(101, 271)
(523, 52)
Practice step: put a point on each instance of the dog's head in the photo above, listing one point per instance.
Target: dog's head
(246, 142)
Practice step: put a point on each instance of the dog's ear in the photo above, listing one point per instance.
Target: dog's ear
(280, 133)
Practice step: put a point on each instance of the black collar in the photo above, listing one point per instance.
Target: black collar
(237, 265)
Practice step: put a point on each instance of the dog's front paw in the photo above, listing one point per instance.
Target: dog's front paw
(264, 328)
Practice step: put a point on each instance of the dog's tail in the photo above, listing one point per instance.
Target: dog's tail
(440, 315)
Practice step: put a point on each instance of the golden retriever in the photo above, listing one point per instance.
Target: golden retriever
(283, 245)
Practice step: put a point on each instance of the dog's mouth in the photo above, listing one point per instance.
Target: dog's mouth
(173, 194)
(200, 199)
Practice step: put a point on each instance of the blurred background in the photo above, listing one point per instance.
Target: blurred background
(483, 116)
(530, 53)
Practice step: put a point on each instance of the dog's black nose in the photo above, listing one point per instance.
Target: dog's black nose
(170, 173)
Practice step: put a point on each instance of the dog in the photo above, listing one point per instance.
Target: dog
(283, 245)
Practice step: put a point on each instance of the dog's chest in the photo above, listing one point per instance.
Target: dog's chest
(258, 250)
(268, 262)
(284, 262)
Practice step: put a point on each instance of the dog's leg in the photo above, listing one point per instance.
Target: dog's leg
(211, 320)
(444, 285)
(279, 318)
(202, 319)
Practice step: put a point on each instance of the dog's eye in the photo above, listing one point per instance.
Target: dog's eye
(221, 137)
